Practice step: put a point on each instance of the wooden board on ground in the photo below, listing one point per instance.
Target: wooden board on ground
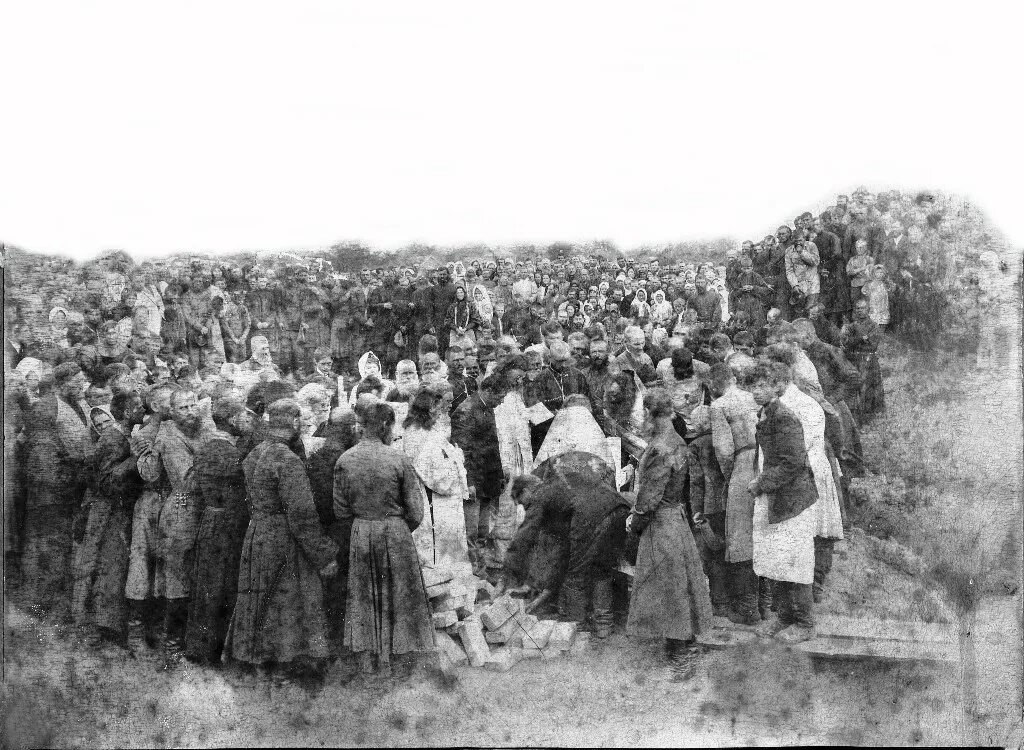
(857, 638)
(726, 637)
(889, 630)
(870, 648)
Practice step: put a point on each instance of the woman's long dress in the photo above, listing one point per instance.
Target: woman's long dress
(670, 596)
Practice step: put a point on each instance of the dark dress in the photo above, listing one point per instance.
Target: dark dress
(320, 470)
(219, 486)
(670, 593)
(279, 612)
(387, 611)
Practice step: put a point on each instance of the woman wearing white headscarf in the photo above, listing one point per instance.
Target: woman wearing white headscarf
(59, 327)
(484, 306)
(369, 366)
(640, 311)
(661, 310)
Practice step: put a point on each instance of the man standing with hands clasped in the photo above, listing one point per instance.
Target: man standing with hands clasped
(474, 430)
(784, 515)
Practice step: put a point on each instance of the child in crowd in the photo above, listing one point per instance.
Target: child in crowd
(858, 268)
(876, 291)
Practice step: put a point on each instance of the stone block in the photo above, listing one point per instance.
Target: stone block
(471, 634)
(504, 633)
(495, 615)
(434, 576)
(580, 643)
(532, 653)
(444, 619)
(537, 634)
(522, 624)
(561, 635)
(454, 599)
(503, 659)
(449, 650)
(548, 652)
(439, 589)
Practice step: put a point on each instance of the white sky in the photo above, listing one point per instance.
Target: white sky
(156, 127)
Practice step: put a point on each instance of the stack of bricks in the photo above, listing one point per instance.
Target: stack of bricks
(473, 627)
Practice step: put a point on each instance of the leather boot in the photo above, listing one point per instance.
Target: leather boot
(603, 618)
(765, 600)
(744, 586)
(175, 618)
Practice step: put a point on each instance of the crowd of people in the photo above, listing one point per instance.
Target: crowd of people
(251, 464)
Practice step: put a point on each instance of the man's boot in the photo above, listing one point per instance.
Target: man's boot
(174, 632)
(765, 600)
(603, 618)
(140, 641)
(744, 586)
(822, 566)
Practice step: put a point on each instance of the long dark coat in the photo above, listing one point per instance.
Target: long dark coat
(279, 613)
(861, 341)
(219, 486)
(387, 612)
(670, 596)
(116, 486)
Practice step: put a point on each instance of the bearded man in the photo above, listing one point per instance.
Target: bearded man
(169, 462)
(407, 382)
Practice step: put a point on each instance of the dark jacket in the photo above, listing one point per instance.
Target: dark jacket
(556, 387)
(786, 478)
(570, 510)
(837, 376)
(474, 430)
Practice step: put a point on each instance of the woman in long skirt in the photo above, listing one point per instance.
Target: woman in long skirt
(375, 485)
(670, 597)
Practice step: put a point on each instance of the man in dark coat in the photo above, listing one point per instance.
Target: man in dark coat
(784, 518)
(442, 297)
(835, 284)
(340, 435)
(588, 521)
(561, 379)
(116, 486)
(474, 430)
(279, 614)
(219, 487)
(861, 339)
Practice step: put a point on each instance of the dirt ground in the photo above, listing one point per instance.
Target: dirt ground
(943, 482)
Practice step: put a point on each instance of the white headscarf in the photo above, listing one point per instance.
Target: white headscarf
(365, 360)
(484, 307)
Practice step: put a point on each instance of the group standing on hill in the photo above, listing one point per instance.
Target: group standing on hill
(252, 464)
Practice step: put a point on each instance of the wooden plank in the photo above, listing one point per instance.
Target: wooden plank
(868, 648)
(887, 630)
